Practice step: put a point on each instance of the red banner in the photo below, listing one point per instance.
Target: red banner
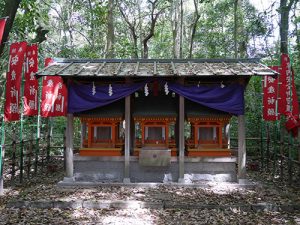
(31, 83)
(2, 27)
(54, 95)
(270, 91)
(13, 81)
(285, 92)
(295, 103)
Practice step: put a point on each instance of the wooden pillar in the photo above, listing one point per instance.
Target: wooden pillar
(69, 148)
(196, 139)
(220, 136)
(2, 156)
(83, 133)
(90, 134)
(113, 134)
(241, 148)
(127, 140)
(143, 133)
(181, 139)
(167, 134)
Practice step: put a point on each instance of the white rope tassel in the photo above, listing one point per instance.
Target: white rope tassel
(110, 90)
(166, 88)
(93, 89)
(146, 89)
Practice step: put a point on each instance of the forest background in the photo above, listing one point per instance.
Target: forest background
(156, 29)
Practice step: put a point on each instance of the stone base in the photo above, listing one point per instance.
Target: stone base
(181, 181)
(69, 179)
(126, 181)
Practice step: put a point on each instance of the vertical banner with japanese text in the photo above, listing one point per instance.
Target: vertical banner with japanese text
(285, 92)
(2, 27)
(13, 81)
(54, 95)
(31, 83)
(270, 91)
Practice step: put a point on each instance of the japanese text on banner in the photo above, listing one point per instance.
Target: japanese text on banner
(13, 81)
(31, 83)
(270, 89)
(54, 95)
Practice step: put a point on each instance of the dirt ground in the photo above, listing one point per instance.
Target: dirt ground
(43, 187)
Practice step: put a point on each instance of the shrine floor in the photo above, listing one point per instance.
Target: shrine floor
(197, 169)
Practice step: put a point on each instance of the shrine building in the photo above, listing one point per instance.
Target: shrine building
(148, 120)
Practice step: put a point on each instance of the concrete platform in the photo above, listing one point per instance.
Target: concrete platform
(111, 170)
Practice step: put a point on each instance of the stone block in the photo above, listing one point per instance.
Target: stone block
(96, 204)
(76, 204)
(17, 204)
(264, 207)
(41, 204)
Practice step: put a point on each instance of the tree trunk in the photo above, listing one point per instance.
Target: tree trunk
(194, 28)
(92, 23)
(154, 17)
(181, 30)
(235, 36)
(285, 8)
(110, 37)
(10, 10)
(174, 24)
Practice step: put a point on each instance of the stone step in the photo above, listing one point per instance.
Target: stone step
(131, 204)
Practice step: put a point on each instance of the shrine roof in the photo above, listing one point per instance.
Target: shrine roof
(156, 67)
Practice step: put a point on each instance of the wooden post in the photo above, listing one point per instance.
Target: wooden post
(113, 135)
(241, 148)
(83, 132)
(65, 144)
(14, 149)
(90, 134)
(2, 157)
(21, 160)
(127, 140)
(69, 148)
(220, 136)
(167, 134)
(181, 139)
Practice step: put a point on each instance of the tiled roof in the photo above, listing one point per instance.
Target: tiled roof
(156, 67)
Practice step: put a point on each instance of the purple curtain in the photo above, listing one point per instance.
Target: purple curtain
(229, 99)
(84, 97)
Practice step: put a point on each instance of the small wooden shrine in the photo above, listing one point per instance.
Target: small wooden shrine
(208, 131)
(155, 120)
(103, 131)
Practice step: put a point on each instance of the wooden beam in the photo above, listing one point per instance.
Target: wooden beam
(118, 69)
(192, 68)
(99, 69)
(154, 69)
(174, 68)
(81, 68)
(61, 70)
(136, 68)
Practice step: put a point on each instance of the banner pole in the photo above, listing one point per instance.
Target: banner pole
(38, 129)
(2, 146)
(21, 121)
(261, 128)
(290, 143)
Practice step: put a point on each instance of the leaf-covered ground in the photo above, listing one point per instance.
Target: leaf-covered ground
(43, 187)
